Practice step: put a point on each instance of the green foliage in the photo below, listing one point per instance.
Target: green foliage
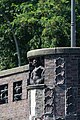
(33, 24)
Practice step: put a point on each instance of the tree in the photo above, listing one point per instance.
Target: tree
(35, 24)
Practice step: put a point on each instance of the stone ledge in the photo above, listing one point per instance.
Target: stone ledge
(56, 50)
(14, 71)
(38, 86)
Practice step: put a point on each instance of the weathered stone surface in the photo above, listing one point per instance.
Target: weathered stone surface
(36, 101)
(13, 71)
(53, 51)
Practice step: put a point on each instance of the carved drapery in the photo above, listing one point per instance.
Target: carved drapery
(60, 71)
(69, 101)
(3, 94)
(17, 91)
(49, 102)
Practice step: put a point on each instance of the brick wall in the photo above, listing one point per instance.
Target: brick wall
(62, 109)
(62, 76)
(17, 110)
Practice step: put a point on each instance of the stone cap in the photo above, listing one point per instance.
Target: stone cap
(36, 86)
(14, 71)
(52, 51)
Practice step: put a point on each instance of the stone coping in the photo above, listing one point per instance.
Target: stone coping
(14, 71)
(36, 86)
(50, 51)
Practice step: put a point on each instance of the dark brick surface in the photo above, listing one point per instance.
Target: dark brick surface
(72, 78)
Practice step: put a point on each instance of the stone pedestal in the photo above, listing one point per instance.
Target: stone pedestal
(36, 101)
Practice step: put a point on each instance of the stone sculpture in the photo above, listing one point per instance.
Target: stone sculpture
(37, 74)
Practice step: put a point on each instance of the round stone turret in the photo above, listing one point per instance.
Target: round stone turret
(58, 70)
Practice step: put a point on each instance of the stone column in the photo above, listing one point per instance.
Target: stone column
(36, 101)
